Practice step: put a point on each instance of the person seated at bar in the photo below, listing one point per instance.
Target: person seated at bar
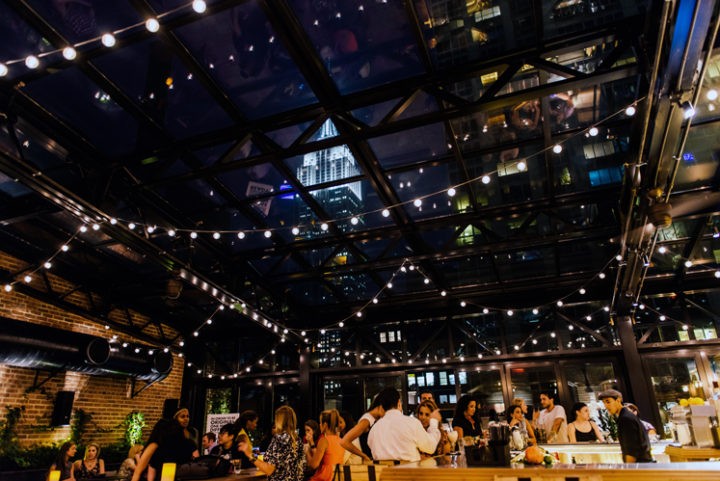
(634, 440)
(182, 417)
(226, 443)
(284, 459)
(652, 433)
(423, 413)
(347, 422)
(328, 452)
(465, 421)
(63, 462)
(127, 468)
(552, 419)
(366, 422)
(167, 444)
(399, 437)
(583, 429)
(516, 418)
(427, 395)
(208, 442)
(91, 466)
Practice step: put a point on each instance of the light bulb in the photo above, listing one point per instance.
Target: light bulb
(521, 166)
(152, 25)
(3, 70)
(451, 192)
(47, 265)
(113, 221)
(241, 235)
(582, 290)
(662, 249)
(96, 227)
(295, 231)
(69, 53)
(131, 225)
(593, 131)
(354, 220)
(268, 234)
(8, 287)
(324, 226)
(171, 232)
(588, 318)
(485, 179)
(359, 314)
(417, 202)
(712, 94)
(193, 235)
(463, 303)
(385, 213)
(28, 279)
(375, 301)
(199, 6)
(557, 148)
(108, 40)
(601, 275)
(389, 285)
(688, 263)
(426, 281)
(486, 310)
(216, 235)
(510, 312)
(443, 293)
(31, 61)
(83, 228)
(630, 111)
(65, 248)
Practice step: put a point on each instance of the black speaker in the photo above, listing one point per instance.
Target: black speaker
(170, 407)
(62, 411)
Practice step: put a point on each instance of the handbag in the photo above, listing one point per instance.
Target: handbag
(203, 467)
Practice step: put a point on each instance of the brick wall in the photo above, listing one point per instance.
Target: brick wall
(107, 399)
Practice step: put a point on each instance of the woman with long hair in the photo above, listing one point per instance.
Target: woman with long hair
(63, 464)
(423, 412)
(328, 452)
(517, 418)
(91, 466)
(167, 444)
(284, 459)
(465, 421)
(365, 423)
(583, 429)
(127, 468)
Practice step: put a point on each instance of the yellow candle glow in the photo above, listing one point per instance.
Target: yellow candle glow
(54, 475)
(168, 472)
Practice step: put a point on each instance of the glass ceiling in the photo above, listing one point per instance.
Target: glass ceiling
(314, 147)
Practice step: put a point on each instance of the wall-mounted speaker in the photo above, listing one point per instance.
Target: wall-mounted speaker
(62, 411)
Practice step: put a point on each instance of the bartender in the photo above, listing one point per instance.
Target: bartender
(634, 440)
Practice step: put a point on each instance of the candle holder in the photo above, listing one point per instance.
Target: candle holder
(168, 472)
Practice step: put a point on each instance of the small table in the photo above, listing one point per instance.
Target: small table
(244, 475)
(689, 453)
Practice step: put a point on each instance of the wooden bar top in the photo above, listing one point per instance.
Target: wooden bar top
(245, 475)
(698, 471)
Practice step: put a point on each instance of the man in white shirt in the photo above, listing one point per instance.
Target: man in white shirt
(399, 437)
(552, 419)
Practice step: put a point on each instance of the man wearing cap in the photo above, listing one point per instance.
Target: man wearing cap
(634, 441)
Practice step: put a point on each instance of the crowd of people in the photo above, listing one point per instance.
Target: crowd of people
(382, 433)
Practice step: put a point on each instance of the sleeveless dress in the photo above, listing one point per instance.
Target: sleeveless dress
(333, 455)
(584, 437)
(88, 473)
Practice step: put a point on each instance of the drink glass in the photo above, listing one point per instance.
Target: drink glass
(236, 466)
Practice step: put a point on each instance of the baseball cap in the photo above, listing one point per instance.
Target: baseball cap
(610, 393)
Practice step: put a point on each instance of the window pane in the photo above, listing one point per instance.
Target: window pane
(585, 380)
(486, 388)
(672, 380)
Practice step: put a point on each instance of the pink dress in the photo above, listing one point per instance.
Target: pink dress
(333, 455)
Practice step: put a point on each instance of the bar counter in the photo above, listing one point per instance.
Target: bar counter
(698, 471)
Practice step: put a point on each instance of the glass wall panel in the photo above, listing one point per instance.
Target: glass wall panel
(485, 386)
(672, 379)
(585, 381)
(441, 383)
(344, 394)
(528, 382)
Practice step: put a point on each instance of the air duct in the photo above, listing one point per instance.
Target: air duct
(34, 346)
